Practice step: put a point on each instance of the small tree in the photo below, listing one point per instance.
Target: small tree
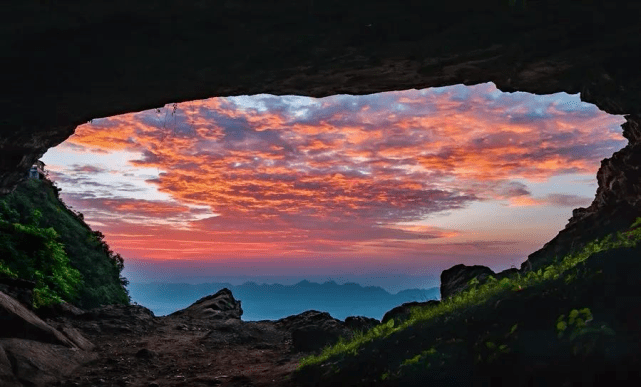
(34, 253)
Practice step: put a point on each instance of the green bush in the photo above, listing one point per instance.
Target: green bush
(35, 207)
(34, 253)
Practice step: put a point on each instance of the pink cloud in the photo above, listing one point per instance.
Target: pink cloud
(341, 177)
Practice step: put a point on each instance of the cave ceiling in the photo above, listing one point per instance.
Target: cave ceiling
(71, 61)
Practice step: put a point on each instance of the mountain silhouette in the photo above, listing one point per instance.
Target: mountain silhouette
(275, 301)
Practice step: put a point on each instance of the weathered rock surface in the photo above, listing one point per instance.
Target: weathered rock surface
(600, 349)
(194, 349)
(258, 335)
(19, 322)
(63, 309)
(219, 306)
(7, 377)
(587, 224)
(116, 318)
(593, 225)
(402, 312)
(616, 205)
(312, 330)
(77, 338)
(455, 279)
(360, 323)
(19, 289)
(35, 363)
(34, 353)
(128, 345)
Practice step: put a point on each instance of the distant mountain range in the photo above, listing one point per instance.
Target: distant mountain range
(275, 301)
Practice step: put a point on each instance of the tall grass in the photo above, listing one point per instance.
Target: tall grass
(476, 295)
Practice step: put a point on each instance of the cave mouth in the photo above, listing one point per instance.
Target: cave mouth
(403, 184)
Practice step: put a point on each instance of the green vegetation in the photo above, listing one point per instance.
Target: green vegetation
(579, 329)
(43, 241)
(33, 253)
(490, 348)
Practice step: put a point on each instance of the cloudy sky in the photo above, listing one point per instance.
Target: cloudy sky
(400, 184)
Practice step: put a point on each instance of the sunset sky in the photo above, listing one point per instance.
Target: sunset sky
(362, 188)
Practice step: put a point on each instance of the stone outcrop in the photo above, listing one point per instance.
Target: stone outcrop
(598, 301)
(63, 309)
(255, 334)
(116, 318)
(616, 205)
(219, 306)
(605, 216)
(360, 323)
(38, 364)
(19, 289)
(587, 225)
(32, 352)
(35, 352)
(19, 322)
(454, 280)
(7, 377)
(313, 330)
(402, 312)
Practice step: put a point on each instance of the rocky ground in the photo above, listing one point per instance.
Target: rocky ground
(179, 351)
(206, 344)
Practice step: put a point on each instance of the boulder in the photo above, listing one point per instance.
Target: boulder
(454, 280)
(290, 323)
(402, 312)
(360, 323)
(19, 322)
(118, 318)
(219, 306)
(32, 352)
(258, 334)
(313, 330)
(21, 290)
(505, 274)
(77, 338)
(38, 364)
(119, 312)
(63, 309)
(313, 338)
(7, 378)
(146, 353)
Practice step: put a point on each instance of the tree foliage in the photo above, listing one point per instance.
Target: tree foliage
(44, 241)
(34, 253)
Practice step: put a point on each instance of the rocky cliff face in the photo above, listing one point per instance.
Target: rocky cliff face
(70, 64)
(616, 205)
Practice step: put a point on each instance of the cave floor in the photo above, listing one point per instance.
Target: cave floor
(178, 351)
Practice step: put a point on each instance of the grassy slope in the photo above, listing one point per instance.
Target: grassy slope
(101, 276)
(538, 335)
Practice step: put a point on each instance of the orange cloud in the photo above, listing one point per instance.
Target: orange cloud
(340, 177)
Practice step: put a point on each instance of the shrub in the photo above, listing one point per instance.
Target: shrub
(36, 202)
(34, 253)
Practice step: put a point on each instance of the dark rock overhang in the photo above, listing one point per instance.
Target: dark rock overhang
(72, 61)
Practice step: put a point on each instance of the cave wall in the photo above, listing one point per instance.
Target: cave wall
(70, 61)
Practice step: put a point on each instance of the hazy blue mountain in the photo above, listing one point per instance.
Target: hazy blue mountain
(275, 301)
